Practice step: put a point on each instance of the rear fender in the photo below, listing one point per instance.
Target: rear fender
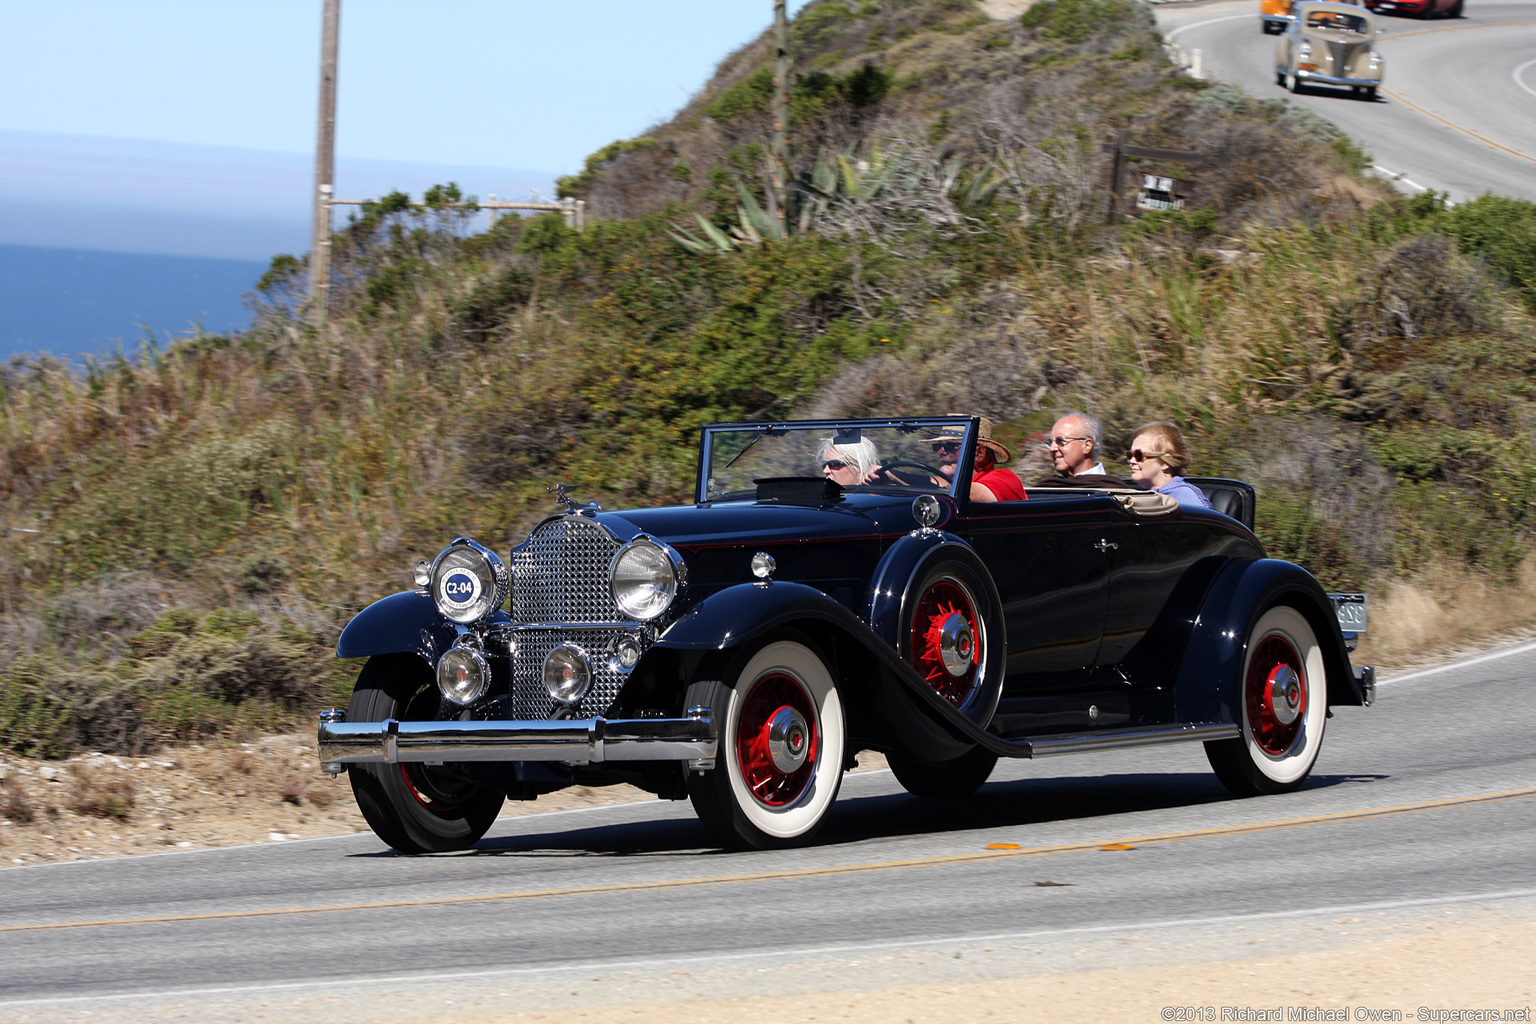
(1209, 686)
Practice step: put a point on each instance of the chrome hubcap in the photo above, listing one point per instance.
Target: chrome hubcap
(957, 644)
(1285, 694)
(788, 739)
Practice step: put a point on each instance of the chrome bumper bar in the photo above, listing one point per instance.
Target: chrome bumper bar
(1318, 77)
(572, 740)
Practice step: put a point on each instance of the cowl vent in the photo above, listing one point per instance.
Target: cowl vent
(798, 490)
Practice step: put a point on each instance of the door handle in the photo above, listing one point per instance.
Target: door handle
(1107, 545)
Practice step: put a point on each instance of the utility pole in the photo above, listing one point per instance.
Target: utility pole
(778, 172)
(325, 166)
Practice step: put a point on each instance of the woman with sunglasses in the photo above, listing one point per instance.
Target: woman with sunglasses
(1158, 458)
(849, 463)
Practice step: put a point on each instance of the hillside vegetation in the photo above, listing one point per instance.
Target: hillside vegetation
(188, 528)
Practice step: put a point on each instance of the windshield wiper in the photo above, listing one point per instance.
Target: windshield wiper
(762, 432)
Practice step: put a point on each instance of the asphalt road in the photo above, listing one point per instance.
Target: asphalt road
(1424, 803)
(1457, 111)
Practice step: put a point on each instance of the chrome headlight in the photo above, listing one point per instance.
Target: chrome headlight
(1304, 50)
(644, 577)
(468, 581)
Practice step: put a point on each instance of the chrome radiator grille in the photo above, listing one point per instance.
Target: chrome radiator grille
(1343, 55)
(560, 575)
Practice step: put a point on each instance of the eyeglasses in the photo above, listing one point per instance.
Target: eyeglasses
(1137, 455)
(1062, 442)
(947, 446)
(834, 464)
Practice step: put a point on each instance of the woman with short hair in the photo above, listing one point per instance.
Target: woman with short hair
(1158, 457)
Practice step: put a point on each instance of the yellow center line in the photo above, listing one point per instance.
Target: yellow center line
(1471, 132)
(798, 873)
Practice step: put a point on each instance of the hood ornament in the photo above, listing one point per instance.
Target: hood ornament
(571, 508)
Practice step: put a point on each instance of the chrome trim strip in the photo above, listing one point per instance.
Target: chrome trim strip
(577, 740)
(1113, 739)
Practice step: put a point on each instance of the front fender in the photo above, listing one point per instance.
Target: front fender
(738, 614)
(407, 622)
(1209, 685)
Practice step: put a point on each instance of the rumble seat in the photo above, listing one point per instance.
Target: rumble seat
(1231, 497)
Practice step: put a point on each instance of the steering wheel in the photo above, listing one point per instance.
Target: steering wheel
(913, 470)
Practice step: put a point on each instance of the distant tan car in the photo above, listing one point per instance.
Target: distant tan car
(1330, 44)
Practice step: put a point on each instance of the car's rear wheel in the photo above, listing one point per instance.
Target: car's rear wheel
(960, 777)
(1429, 10)
(1284, 707)
(1455, 11)
(415, 808)
(781, 752)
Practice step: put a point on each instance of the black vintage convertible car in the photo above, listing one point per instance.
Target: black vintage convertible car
(741, 650)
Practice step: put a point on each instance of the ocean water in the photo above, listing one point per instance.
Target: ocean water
(70, 302)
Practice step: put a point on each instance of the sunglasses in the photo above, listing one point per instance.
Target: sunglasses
(1062, 442)
(834, 464)
(1137, 455)
(947, 446)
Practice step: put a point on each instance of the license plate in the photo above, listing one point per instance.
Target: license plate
(1350, 609)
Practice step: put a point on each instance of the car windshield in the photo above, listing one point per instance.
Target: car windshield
(1337, 21)
(916, 454)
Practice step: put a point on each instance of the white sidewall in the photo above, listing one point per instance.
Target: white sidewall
(1296, 762)
(804, 814)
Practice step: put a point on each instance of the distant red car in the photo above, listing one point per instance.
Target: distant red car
(1418, 8)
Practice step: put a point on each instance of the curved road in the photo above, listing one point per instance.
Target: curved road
(1458, 108)
(1421, 806)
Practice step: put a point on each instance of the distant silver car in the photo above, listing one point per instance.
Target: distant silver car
(1330, 44)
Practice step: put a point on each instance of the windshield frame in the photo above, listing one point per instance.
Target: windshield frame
(965, 426)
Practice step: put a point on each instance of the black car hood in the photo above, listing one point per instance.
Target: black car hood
(746, 523)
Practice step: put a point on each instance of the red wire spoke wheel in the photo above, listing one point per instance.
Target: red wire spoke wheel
(782, 747)
(947, 639)
(1284, 705)
(777, 739)
(1276, 694)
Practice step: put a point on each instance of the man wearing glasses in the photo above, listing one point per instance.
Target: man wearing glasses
(989, 481)
(1074, 444)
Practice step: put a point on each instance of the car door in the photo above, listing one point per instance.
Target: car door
(1048, 560)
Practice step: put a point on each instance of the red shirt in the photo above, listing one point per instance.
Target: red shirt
(1004, 484)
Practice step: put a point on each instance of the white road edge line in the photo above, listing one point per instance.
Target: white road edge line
(1209, 21)
(1515, 74)
(714, 959)
(1395, 176)
(1419, 673)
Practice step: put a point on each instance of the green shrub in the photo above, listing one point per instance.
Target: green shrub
(1503, 232)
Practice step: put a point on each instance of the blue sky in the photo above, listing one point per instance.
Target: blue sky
(185, 126)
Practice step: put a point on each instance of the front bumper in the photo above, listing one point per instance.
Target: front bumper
(1314, 77)
(572, 740)
(1277, 22)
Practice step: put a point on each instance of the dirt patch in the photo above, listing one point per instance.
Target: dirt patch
(1001, 10)
(267, 791)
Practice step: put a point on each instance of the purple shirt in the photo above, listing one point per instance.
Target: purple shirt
(1185, 492)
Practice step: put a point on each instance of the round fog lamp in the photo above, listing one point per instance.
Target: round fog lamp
(623, 654)
(567, 676)
(463, 675)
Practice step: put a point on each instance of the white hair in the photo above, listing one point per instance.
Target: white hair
(862, 455)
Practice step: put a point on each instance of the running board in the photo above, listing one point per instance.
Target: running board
(1113, 739)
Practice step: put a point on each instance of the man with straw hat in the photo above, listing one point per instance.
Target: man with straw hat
(989, 481)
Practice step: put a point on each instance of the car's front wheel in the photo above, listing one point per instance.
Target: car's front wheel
(782, 747)
(1284, 706)
(415, 808)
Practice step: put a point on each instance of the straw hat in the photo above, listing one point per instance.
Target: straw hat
(983, 437)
